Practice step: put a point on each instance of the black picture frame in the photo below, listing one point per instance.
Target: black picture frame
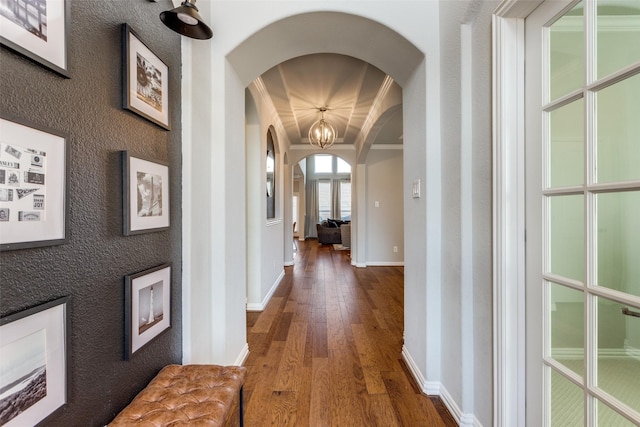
(141, 297)
(47, 47)
(34, 185)
(145, 192)
(145, 80)
(34, 357)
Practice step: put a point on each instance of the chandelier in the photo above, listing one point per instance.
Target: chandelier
(321, 133)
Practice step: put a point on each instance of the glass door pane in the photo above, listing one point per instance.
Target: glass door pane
(566, 146)
(566, 57)
(618, 242)
(583, 141)
(618, 34)
(618, 152)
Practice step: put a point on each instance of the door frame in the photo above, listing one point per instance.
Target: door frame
(508, 107)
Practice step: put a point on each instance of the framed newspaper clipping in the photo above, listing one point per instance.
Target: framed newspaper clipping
(146, 195)
(33, 185)
(34, 358)
(145, 80)
(38, 30)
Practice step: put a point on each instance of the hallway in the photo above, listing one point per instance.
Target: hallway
(326, 350)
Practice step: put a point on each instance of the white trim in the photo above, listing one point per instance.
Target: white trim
(288, 263)
(386, 147)
(435, 388)
(242, 357)
(415, 372)
(261, 306)
(463, 420)
(384, 264)
(508, 213)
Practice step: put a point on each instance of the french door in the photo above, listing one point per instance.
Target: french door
(582, 162)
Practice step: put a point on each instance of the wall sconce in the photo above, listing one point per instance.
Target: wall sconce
(185, 20)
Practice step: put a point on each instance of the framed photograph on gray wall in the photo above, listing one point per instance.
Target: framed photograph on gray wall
(37, 29)
(33, 185)
(33, 363)
(145, 88)
(145, 195)
(147, 306)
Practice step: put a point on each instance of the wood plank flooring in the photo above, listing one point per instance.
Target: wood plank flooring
(326, 351)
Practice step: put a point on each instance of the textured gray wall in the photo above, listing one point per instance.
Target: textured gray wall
(90, 268)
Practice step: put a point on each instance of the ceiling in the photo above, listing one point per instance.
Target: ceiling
(353, 92)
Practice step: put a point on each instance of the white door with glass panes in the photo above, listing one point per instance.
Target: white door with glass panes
(583, 213)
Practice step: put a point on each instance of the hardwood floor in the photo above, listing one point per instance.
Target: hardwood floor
(326, 351)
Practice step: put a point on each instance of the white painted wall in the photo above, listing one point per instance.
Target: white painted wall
(265, 240)
(408, 40)
(384, 222)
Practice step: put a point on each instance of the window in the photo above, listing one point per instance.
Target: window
(324, 199)
(323, 163)
(345, 200)
(343, 167)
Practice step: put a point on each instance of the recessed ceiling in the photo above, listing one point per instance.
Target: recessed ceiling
(346, 86)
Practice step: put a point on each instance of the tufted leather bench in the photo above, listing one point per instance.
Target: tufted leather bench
(194, 395)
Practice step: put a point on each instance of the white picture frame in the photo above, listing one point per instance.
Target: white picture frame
(33, 185)
(38, 30)
(145, 80)
(147, 307)
(145, 195)
(34, 359)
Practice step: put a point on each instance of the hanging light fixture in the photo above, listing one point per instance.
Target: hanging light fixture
(321, 133)
(185, 20)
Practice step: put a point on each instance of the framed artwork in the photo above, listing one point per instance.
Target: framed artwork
(147, 307)
(146, 195)
(37, 29)
(33, 186)
(145, 77)
(33, 363)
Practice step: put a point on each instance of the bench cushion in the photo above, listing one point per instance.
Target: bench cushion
(201, 395)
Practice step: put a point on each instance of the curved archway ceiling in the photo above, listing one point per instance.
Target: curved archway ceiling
(349, 88)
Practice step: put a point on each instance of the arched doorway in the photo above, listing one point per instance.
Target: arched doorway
(216, 282)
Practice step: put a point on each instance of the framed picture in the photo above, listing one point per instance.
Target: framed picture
(33, 186)
(146, 195)
(33, 363)
(147, 307)
(145, 80)
(37, 29)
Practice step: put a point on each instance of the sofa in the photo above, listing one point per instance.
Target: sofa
(329, 231)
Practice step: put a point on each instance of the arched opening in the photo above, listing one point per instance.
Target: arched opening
(348, 35)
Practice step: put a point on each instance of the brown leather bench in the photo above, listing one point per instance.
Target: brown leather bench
(197, 395)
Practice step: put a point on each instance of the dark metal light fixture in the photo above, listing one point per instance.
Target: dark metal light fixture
(186, 21)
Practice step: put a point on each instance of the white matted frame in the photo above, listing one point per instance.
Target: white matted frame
(33, 363)
(145, 85)
(39, 30)
(145, 195)
(33, 185)
(147, 307)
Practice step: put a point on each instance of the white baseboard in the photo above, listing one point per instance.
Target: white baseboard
(385, 263)
(435, 388)
(288, 263)
(261, 306)
(242, 357)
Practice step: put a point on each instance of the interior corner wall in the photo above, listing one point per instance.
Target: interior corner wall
(90, 268)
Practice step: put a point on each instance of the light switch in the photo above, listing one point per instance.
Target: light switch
(416, 188)
(376, 204)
